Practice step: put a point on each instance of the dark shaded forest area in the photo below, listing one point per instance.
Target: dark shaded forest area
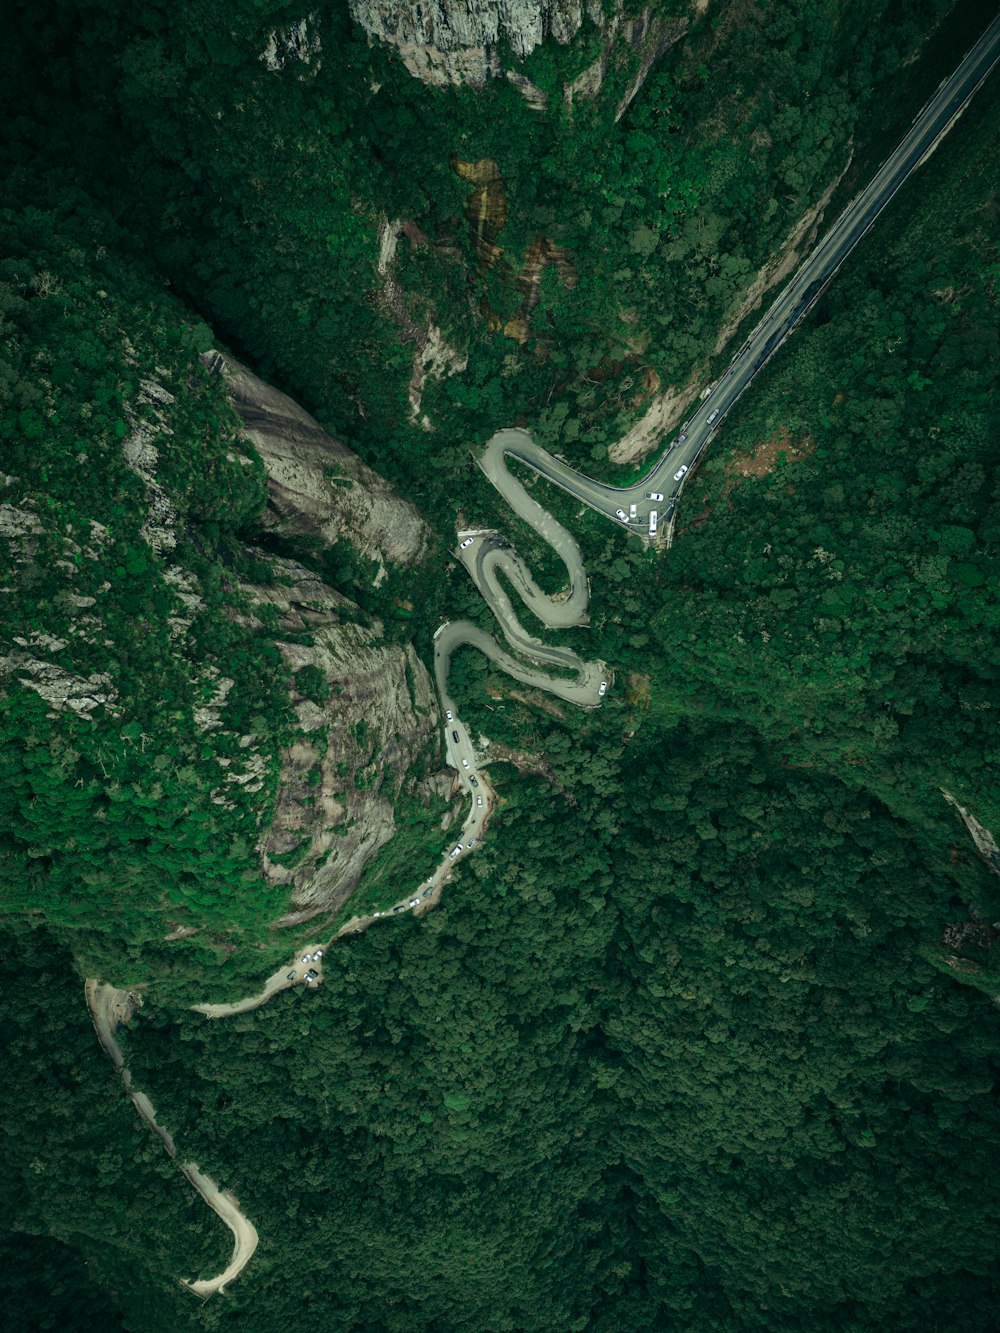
(704, 1037)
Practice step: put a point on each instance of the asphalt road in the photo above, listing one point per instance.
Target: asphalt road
(488, 557)
(668, 475)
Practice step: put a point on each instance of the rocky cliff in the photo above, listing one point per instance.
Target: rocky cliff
(465, 41)
(314, 483)
(366, 715)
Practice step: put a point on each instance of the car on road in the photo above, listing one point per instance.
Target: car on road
(474, 780)
(682, 437)
(414, 902)
(603, 690)
(454, 737)
(448, 716)
(680, 472)
(479, 800)
(654, 495)
(468, 542)
(465, 763)
(622, 515)
(452, 854)
(713, 416)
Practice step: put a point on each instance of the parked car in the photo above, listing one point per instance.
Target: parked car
(448, 716)
(654, 495)
(454, 737)
(427, 892)
(468, 542)
(452, 854)
(318, 954)
(603, 690)
(306, 958)
(622, 515)
(290, 977)
(680, 472)
(465, 763)
(479, 800)
(399, 908)
(414, 902)
(474, 780)
(312, 974)
(633, 511)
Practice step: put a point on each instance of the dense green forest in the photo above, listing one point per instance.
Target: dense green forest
(703, 1037)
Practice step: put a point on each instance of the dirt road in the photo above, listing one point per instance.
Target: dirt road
(110, 1007)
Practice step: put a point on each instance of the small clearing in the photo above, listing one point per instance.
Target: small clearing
(764, 458)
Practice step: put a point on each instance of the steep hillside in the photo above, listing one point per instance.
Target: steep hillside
(201, 737)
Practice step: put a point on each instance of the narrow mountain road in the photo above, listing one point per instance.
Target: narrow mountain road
(110, 1007)
(646, 508)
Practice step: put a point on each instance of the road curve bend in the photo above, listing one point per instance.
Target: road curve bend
(108, 1008)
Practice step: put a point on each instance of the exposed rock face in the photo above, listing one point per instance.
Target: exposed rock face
(458, 41)
(315, 484)
(332, 811)
(986, 843)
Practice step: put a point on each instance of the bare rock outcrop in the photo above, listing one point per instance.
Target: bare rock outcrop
(462, 41)
(458, 41)
(366, 712)
(315, 484)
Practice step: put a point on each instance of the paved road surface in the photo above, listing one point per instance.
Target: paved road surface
(674, 465)
(486, 555)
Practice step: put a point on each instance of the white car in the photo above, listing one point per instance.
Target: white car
(680, 472)
(306, 958)
(468, 542)
(479, 800)
(453, 854)
(448, 716)
(622, 515)
(465, 763)
(603, 690)
(654, 495)
(414, 902)
(318, 953)
(713, 416)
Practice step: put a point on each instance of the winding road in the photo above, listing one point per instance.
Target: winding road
(646, 507)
